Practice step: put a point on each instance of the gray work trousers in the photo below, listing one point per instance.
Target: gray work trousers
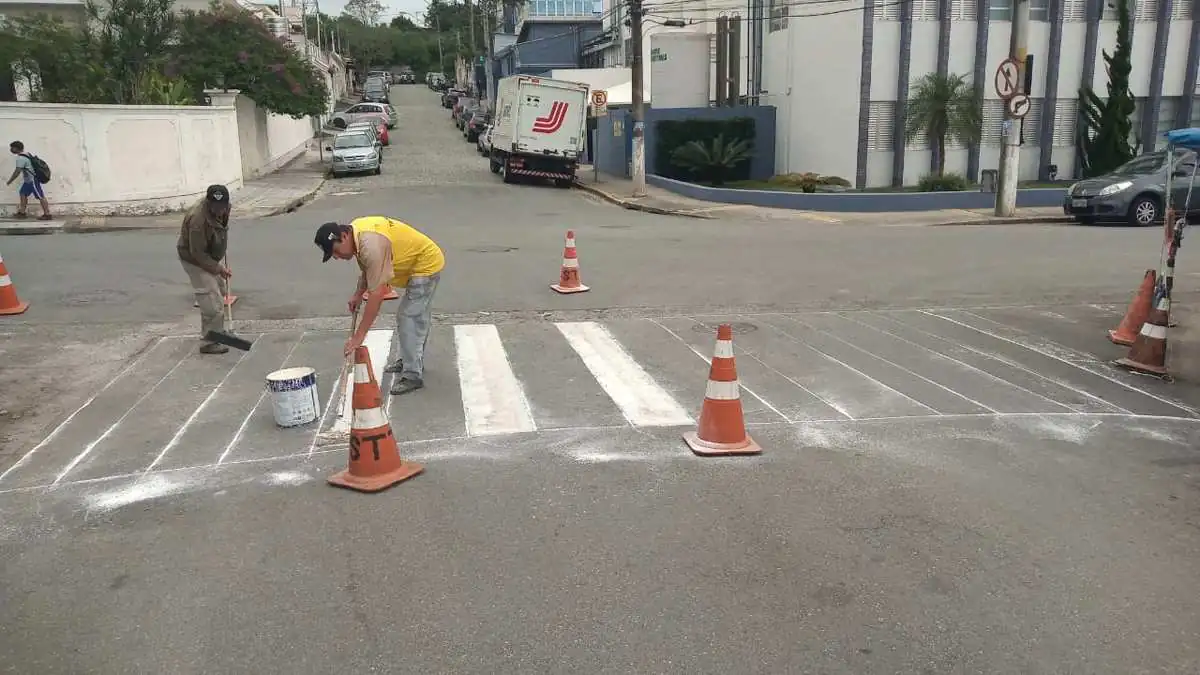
(413, 320)
(207, 287)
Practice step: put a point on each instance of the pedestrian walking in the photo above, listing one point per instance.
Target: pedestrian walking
(390, 254)
(203, 240)
(33, 172)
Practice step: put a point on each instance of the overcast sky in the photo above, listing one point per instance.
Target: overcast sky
(391, 8)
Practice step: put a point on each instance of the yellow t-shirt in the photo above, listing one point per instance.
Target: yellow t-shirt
(412, 253)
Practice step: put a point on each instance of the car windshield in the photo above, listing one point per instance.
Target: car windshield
(352, 141)
(1142, 166)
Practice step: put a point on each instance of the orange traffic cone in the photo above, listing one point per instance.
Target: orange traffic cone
(1135, 316)
(391, 294)
(375, 462)
(1148, 354)
(568, 277)
(722, 429)
(9, 302)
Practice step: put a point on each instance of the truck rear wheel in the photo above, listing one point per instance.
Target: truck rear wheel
(504, 174)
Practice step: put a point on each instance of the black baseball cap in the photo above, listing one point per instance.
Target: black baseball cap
(327, 235)
(217, 193)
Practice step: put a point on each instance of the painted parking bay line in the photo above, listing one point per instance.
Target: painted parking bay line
(492, 397)
(642, 400)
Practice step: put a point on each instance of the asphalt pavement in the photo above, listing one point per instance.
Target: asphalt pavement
(954, 477)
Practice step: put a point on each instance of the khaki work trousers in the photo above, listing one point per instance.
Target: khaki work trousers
(207, 287)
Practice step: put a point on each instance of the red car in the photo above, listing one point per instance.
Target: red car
(381, 129)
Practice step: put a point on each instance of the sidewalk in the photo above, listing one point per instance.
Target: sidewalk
(619, 191)
(281, 192)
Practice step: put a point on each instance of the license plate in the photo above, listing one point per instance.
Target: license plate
(1079, 203)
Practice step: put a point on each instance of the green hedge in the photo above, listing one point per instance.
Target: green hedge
(670, 134)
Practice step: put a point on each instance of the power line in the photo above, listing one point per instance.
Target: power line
(844, 10)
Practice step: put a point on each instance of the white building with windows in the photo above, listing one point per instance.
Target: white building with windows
(839, 75)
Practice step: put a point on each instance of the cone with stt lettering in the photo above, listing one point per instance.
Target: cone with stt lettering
(375, 463)
(1139, 309)
(722, 428)
(9, 302)
(568, 276)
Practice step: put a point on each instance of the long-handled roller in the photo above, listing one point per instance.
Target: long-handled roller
(341, 430)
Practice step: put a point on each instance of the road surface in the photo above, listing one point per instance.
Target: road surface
(954, 479)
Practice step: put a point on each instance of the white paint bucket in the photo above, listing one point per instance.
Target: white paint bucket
(294, 396)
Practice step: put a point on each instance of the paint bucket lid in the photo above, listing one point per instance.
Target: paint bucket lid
(290, 374)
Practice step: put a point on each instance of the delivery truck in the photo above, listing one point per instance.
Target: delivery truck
(540, 129)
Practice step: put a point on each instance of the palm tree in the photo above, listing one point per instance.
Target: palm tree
(944, 107)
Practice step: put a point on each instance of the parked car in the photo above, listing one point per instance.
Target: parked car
(451, 96)
(484, 142)
(1134, 192)
(375, 91)
(376, 126)
(355, 152)
(460, 120)
(407, 78)
(361, 111)
(476, 125)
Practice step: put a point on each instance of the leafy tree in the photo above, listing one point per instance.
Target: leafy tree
(1104, 136)
(130, 40)
(944, 107)
(230, 48)
(403, 23)
(366, 11)
(49, 53)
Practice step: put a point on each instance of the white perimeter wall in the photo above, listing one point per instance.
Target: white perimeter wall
(268, 141)
(127, 160)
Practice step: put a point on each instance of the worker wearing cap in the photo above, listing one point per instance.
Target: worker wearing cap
(391, 254)
(203, 240)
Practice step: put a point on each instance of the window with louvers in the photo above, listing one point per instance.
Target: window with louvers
(1074, 11)
(1066, 118)
(993, 122)
(963, 10)
(881, 116)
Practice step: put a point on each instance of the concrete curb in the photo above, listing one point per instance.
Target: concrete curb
(1018, 220)
(634, 206)
(297, 202)
(32, 227)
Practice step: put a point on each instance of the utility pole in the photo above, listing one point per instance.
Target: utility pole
(1010, 153)
(471, 33)
(639, 106)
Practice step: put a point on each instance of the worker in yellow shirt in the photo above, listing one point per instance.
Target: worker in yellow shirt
(391, 254)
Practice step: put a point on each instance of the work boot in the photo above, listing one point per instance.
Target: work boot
(213, 348)
(406, 384)
(396, 366)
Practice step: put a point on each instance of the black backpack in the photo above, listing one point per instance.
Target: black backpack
(41, 170)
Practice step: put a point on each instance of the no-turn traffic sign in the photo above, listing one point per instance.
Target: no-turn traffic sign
(1007, 78)
(1018, 106)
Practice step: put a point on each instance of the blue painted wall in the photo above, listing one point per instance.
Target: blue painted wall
(545, 46)
(614, 151)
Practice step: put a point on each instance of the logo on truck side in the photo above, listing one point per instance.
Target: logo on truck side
(552, 122)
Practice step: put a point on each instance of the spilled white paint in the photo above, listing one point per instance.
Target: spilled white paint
(288, 478)
(145, 489)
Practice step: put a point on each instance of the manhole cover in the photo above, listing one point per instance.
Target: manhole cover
(493, 249)
(738, 327)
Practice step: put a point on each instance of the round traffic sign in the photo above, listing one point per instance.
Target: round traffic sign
(1007, 78)
(1018, 106)
(599, 98)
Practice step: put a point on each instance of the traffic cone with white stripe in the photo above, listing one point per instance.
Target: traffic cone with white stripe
(9, 302)
(1139, 310)
(722, 429)
(1148, 355)
(375, 462)
(568, 276)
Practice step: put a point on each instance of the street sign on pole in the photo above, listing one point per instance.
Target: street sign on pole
(1018, 106)
(1007, 80)
(599, 103)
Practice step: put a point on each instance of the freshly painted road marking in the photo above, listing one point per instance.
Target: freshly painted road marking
(1032, 348)
(237, 435)
(708, 360)
(492, 398)
(643, 402)
(915, 374)
(379, 346)
(195, 413)
(62, 425)
(92, 446)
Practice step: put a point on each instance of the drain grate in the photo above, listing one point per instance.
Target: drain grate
(738, 327)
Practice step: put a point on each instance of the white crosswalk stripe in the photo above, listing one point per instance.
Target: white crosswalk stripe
(171, 409)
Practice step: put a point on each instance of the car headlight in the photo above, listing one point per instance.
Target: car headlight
(1071, 190)
(372, 156)
(1115, 188)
